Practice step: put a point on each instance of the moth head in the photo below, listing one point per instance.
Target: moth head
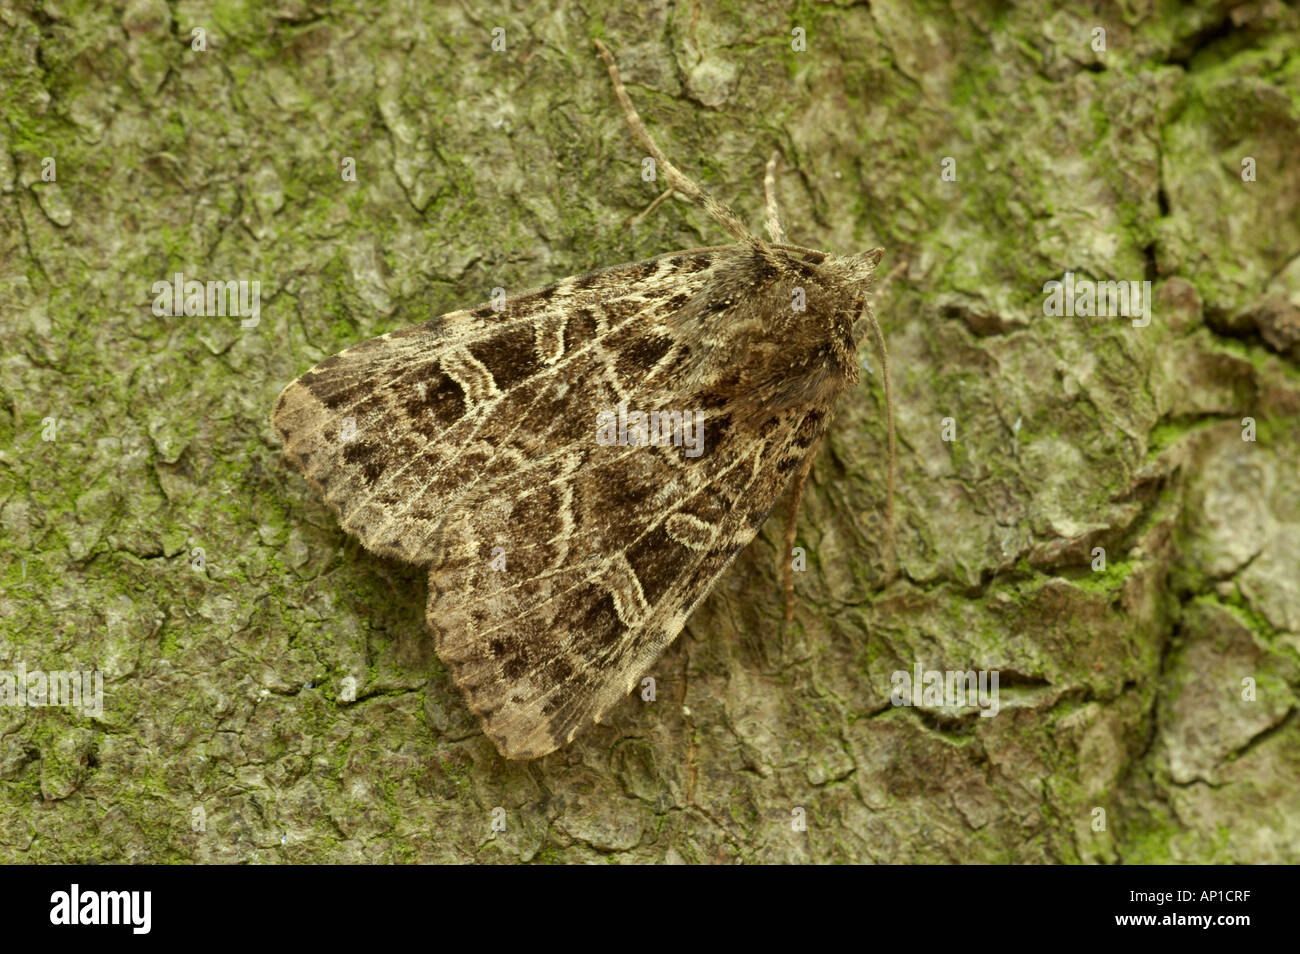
(862, 267)
(860, 272)
(855, 273)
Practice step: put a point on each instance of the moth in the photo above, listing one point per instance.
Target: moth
(561, 565)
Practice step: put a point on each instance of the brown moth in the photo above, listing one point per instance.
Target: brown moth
(561, 565)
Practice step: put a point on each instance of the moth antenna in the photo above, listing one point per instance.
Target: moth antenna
(676, 179)
(774, 226)
(644, 213)
(792, 528)
(890, 566)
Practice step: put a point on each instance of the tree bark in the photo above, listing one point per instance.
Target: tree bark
(1081, 508)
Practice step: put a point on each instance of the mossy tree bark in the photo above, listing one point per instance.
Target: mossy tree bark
(1147, 706)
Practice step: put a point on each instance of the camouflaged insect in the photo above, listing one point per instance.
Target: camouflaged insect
(560, 567)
